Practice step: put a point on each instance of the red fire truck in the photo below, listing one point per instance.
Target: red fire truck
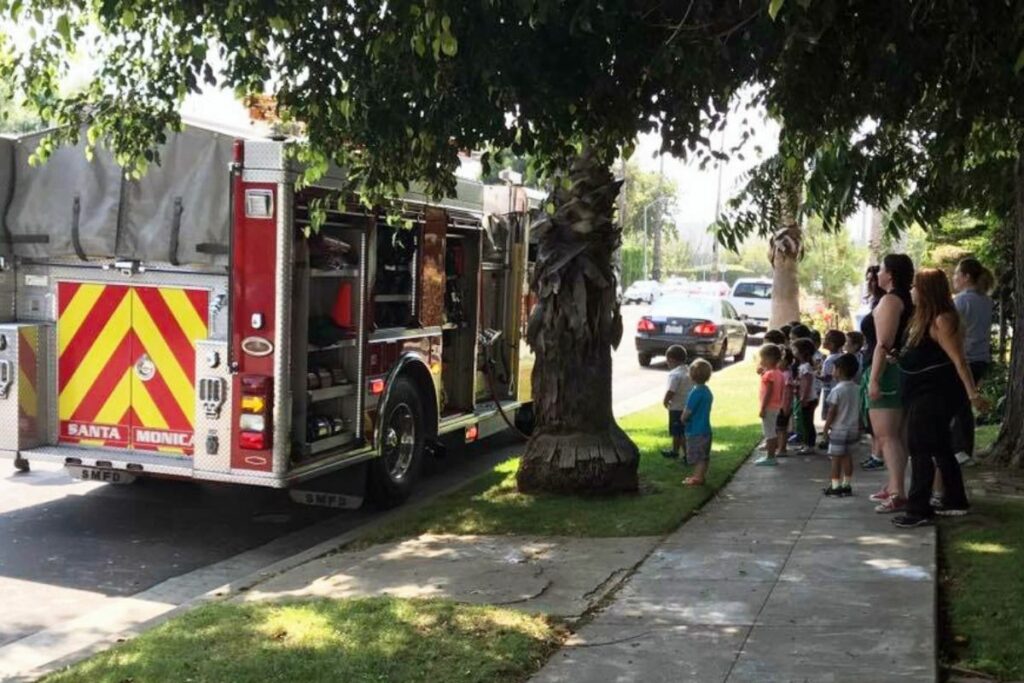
(189, 324)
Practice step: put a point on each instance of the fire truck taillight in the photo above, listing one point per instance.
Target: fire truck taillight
(254, 416)
(376, 386)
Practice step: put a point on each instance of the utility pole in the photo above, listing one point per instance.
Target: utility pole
(656, 266)
(715, 268)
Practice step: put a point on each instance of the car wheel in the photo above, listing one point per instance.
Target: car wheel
(718, 362)
(742, 353)
(645, 359)
(393, 473)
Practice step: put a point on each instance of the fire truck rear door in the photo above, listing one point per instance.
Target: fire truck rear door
(166, 323)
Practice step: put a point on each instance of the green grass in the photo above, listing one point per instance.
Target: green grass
(983, 588)
(491, 504)
(375, 639)
(984, 437)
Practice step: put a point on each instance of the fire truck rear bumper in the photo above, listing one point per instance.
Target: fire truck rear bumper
(140, 463)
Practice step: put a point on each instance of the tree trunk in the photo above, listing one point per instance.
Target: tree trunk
(576, 446)
(787, 246)
(1008, 449)
(656, 257)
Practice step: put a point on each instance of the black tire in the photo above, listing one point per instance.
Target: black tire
(645, 360)
(718, 362)
(526, 419)
(742, 354)
(393, 473)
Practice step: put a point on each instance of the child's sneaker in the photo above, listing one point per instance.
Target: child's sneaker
(911, 521)
(831, 492)
(846, 491)
(805, 450)
(669, 454)
(873, 463)
(890, 505)
(766, 462)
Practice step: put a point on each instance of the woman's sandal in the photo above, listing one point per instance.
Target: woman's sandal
(693, 481)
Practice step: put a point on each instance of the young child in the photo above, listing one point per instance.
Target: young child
(679, 385)
(786, 413)
(777, 337)
(803, 349)
(772, 394)
(833, 343)
(697, 418)
(855, 347)
(843, 425)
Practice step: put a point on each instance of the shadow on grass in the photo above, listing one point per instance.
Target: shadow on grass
(491, 504)
(983, 589)
(374, 639)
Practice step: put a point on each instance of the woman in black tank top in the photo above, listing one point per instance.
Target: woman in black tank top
(937, 383)
(884, 330)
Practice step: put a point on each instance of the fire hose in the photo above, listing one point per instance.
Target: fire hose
(487, 341)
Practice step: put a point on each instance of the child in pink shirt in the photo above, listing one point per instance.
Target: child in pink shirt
(772, 393)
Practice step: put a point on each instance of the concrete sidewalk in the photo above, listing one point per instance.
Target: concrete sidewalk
(771, 582)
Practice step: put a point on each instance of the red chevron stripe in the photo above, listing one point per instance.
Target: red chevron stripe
(88, 332)
(200, 299)
(163, 398)
(119, 361)
(65, 293)
(181, 346)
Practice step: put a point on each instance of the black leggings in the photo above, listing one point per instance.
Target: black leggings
(929, 439)
(810, 436)
(963, 421)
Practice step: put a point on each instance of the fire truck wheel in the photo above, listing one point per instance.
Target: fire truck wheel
(393, 474)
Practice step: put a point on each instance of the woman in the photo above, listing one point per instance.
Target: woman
(884, 330)
(937, 384)
(873, 293)
(973, 281)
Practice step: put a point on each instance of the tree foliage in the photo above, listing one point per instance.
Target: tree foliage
(832, 266)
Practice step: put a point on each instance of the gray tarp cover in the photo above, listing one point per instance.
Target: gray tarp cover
(118, 217)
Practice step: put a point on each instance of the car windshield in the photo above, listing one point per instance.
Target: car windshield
(686, 307)
(754, 290)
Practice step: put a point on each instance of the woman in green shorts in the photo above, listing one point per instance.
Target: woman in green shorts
(884, 331)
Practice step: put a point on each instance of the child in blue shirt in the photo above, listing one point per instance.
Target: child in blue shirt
(697, 418)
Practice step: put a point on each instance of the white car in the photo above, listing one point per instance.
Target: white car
(641, 291)
(752, 298)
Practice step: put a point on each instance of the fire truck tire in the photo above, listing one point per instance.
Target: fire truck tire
(393, 474)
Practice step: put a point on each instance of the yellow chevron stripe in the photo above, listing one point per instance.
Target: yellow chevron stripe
(185, 313)
(95, 359)
(77, 310)
(148, 413)
(117, 403)
(26, 395)
(160, 353)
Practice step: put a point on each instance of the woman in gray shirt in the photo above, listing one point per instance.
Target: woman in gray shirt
(973, 281)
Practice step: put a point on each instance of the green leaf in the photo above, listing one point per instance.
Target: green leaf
(64, 27)
(1020, 63)
(773, 8)
(128, 18)
(449, 44)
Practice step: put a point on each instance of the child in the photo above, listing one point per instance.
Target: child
(843, 425)
(777, 337)
(803, 349)
(834, 341)
(855, 347)
(675, 397)
(772, 394)
(697, 417)
(782, 422)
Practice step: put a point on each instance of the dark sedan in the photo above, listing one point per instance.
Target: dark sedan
(707, 327)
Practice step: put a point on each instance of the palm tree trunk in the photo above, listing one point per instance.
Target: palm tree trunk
(577, 447)
(787, 247)
(1008, 449)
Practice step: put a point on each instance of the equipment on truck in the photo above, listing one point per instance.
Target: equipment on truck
(184, 325)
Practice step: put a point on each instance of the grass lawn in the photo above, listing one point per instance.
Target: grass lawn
(375, 639)
(983, 588)
(491, 505)
(984, 437)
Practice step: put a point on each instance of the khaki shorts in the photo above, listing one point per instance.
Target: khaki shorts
(698, 449)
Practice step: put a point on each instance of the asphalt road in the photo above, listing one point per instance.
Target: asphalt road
(67, 547)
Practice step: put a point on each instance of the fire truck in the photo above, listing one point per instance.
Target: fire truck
(194, 323)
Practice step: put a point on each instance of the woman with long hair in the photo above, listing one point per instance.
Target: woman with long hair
(972, 282)
(884, 330)
(937, 383)
(873, 293)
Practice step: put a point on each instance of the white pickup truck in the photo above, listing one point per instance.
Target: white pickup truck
(752, 299)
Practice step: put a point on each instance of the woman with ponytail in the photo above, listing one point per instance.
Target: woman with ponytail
(973, 282)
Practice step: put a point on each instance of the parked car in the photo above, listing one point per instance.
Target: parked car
(752, 297)
(641, 291)
(707, 327)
